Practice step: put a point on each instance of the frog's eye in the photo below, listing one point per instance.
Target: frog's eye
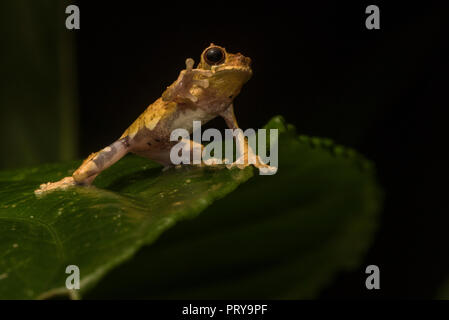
(214, 56)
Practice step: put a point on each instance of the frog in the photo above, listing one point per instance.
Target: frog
(198, 94)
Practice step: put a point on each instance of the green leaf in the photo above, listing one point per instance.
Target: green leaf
(280, 236)
(95, 228)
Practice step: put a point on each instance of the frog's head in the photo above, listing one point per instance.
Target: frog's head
(230, 71)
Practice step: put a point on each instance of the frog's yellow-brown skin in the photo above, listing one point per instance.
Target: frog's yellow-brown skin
(201, 94)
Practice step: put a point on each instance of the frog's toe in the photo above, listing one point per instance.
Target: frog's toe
(267, 170)
(239, 163)
(51, 186)
(203, 73)
(189, 63)
(212, 161)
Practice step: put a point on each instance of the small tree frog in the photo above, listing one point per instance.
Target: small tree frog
(200, 93)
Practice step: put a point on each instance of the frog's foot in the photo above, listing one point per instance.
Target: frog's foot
(212, 161)
(59, 185)
(242, 163)
(265, 169)
(208, 162)
(181, 88)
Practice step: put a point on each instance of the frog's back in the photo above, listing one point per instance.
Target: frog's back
(150, 118)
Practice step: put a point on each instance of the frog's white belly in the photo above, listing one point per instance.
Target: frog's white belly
(186, 117)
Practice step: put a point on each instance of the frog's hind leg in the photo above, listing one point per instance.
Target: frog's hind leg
(91, 167)
(101, 160)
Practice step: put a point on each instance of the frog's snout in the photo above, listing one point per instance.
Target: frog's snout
(244, 60)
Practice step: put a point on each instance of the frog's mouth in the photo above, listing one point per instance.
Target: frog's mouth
(229, 69)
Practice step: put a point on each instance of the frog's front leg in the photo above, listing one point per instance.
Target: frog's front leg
(249, 156)
(91, 167)
(179, 91)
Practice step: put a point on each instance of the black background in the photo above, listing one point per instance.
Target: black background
(382, 92)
